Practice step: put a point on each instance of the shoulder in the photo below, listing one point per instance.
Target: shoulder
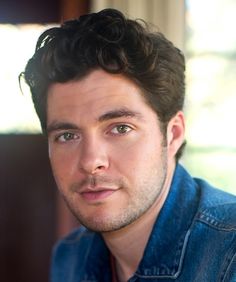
(212, 234)
(211, 204)
(216, 206)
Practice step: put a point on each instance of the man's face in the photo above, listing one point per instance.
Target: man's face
(106, 150)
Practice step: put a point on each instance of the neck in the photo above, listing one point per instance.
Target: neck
(127, 245)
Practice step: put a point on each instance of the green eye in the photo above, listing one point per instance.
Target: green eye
(121, 129)
(67, 136)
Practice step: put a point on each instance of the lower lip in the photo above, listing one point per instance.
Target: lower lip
(96, 196)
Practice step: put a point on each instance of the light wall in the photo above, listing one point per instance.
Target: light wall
(167, 15)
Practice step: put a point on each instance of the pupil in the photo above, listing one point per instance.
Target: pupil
(122, 128)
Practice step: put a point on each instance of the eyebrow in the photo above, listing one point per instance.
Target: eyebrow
(56, 126)
(118, 114)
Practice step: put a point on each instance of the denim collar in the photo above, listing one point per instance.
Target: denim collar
(164, 253)
(166, 247)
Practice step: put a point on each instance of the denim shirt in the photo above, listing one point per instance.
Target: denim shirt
(193, 239)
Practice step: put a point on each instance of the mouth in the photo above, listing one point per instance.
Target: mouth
(96, 195)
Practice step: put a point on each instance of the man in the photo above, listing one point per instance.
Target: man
(109, 94)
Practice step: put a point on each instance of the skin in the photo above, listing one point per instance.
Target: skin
(110, 160)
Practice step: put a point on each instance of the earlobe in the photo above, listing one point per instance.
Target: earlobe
(176, 132)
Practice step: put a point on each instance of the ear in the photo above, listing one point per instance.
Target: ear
(175, 133)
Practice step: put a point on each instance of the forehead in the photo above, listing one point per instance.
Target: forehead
(98, 81)
(95, 94)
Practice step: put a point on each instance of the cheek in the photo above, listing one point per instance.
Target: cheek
(138, 158)
(63, 167)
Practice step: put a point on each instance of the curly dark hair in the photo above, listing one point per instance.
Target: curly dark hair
(109, 41)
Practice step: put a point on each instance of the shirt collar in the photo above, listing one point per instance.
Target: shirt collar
(97, 266)
(166, 247)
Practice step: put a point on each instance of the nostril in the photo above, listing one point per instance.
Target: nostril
(100, 167)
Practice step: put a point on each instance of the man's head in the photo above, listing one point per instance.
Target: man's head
(109, 41)
(109, 95)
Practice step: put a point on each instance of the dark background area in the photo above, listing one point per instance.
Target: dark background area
(29, 11)
(28, 210)
(32, 214)
(41, 11)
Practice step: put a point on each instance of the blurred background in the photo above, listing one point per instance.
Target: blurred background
(32, 214)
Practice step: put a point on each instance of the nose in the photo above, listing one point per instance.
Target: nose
(93, 156)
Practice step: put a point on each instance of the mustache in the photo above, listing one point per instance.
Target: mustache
(93, 181)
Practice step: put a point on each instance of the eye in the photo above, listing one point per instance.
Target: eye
(121, 129)
(66, 137)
